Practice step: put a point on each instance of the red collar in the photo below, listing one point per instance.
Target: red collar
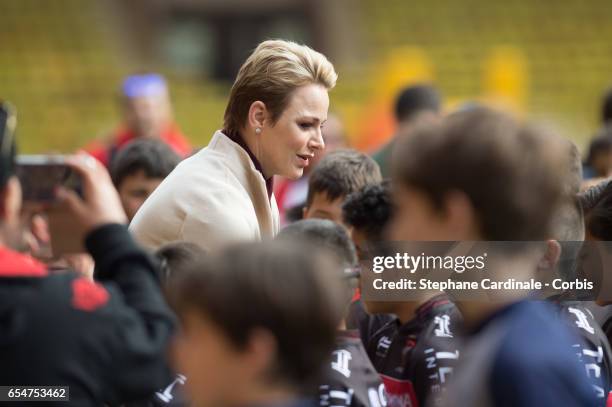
(172, 136)
(13, 264)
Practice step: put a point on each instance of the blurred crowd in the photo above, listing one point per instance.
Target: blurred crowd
(238, 280)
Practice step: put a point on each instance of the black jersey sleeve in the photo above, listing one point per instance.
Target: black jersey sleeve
(435, 359)
(350, 378)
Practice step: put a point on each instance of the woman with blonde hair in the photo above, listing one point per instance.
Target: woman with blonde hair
(272, 126)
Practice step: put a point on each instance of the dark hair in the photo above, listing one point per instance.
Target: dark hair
(606, 108)
(590, 197)
(177, 257)
(154, 157)
(369, 210)
(341, 173)
(598, 217)
(277, 286)
(416, 99)
(323, 233)
(294, 213)
(513, 174)
(601, 143)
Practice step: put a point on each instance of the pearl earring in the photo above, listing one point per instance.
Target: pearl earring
(257, 130)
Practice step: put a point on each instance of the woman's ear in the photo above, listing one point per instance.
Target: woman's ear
(258, 114)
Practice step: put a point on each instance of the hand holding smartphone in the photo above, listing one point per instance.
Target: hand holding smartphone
(41, 175)
(75, 192)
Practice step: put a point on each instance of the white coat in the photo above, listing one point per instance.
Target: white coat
(213, 198)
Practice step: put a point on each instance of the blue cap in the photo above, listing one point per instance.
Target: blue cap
(143, 85)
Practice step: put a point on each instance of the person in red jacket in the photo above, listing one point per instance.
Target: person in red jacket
(147, 113)
(104, 341)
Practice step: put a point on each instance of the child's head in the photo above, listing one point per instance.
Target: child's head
(324, 234)
(599, 157)
(257, 319)
(478, 175)
(138, 169)
(337, 175)
(177, 258)
(597, 204)
(367, 212)
(567, 224)
(416, 101)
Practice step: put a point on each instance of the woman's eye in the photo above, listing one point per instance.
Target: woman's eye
(305, 125)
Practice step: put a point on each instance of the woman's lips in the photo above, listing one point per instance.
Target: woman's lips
(304, 158)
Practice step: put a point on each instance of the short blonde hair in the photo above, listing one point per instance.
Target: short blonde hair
(270, 74)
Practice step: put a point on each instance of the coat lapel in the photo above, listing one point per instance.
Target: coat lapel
(241, 165)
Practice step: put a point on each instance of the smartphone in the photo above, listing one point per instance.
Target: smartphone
(40, 175)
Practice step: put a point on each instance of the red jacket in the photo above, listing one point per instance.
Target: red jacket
(104, 152)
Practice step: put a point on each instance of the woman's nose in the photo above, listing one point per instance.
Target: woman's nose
(317, 142)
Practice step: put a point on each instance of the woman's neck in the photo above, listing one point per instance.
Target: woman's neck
(250, 146)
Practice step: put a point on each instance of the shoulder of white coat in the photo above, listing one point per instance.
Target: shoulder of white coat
(189, 185)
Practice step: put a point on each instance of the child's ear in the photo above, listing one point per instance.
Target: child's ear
(261, 351)
(305, 212)
(460, 216)
(552, 255)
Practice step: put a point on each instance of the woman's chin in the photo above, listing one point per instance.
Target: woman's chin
(295, 173)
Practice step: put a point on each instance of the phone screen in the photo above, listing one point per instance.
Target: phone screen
(40, 175)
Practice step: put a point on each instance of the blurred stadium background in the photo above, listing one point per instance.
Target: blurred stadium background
(61, 61)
